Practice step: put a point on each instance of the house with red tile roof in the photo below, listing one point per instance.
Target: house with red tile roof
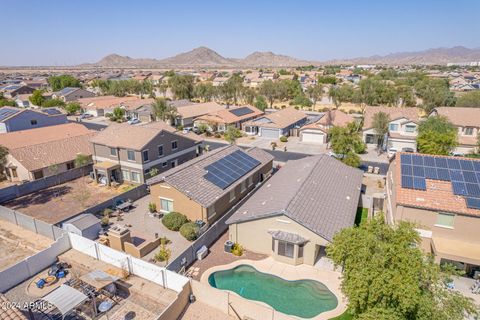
(233, 116)
(317, 131)
(441, 195)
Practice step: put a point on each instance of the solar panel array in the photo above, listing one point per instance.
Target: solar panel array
(6, 112)
(239, 112)
(229, 169)
(464, 175)
(51, 111)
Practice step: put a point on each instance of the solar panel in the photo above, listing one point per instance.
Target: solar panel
(239, 112)
(407, 182)
(476, 165)
(417, 160)
(473, 203)
(443, 174)
(406, 158)
(456, 175)
(459, 188)
(466, 165)
(229, 169)
(407, 170)
(429, 161)
(441, 163)
(419, 183)
(431, 173)
(469, 176)
(453, 163)
(473, 189)
(7, 112)
(418, 171)
(51, 111)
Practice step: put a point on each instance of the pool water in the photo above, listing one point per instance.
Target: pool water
(302, 298)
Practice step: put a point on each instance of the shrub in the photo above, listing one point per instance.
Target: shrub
(152, 207)
(107, 212)
(179, 127)
(237, 250)
(105, 221)
(189, 231)
(283, 139)
(164, 240)
(217, 135)
(174, 220)
(163, 254)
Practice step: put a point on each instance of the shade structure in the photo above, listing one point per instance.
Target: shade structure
(65, 298)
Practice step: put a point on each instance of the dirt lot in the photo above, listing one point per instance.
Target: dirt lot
(58, 203)
(17, 243)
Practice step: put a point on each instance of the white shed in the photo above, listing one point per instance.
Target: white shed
(85, 225)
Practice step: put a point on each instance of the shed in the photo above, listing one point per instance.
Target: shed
(85, 225)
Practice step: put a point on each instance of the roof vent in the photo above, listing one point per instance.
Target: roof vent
(348, 197)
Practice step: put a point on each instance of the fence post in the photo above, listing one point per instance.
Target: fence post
(15, 216)
(164, 278)
(97, 251)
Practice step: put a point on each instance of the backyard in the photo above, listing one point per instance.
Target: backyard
(63, 201)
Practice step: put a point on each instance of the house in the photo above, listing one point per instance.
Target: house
(100, 106)
(402, 128)
(22, 100)
(277, 124)
(232, 116)
(207, 187)
(139, 109)
(218, 81)
(11, 91)
(15, 119)
(317, 132)
(189, 112)
(442, 196)
(122, 152)
(71, 94)
(85, 225)
(37, 153)
(467, 121)
(296, 213)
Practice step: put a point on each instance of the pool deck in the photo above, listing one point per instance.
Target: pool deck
(331, 279)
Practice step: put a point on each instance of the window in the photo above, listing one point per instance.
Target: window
(131, 155)
(33, 122)
(468, 131)
(174, 145)
(38, 175)
(135, 176)
(145, 155)
(300, 250)
(250, 181)
(126, 175)
(164, 164)
(243, 185)
(393, 127)
(166, 205)
(285, 249)
(174, 163)
(410, 128)
(232, 195)
(211, 211)
(70, 165)
(445, 220)
(14, 173)
(113, 152)
(160, 150)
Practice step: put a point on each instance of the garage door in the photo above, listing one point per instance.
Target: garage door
(311, 137)
(400, 144)
(270, 133)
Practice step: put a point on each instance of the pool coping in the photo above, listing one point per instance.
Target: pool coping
(330, 279)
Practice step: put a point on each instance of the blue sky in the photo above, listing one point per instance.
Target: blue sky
(55, 32)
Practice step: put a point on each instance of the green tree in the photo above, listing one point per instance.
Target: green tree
(204, 91)
(469, 99)
(340, 94)
(232, 134)
(327, 80)
(302, 101)
(347, 142)
(37, 98)
(6, 102)
(3, 159)
(434, 93)
(315, 93)
(234, 87)
(380, 125)
(436, 135)
(118, 114)
(261, 103)
(385, 275)
(269, 89)
(73, 107)
(82, 160)
(53, 103)
(181, 86)
(163, 87)
(62, 81)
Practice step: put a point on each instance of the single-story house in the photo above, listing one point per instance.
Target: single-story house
(37, 153)
(206, 187)
(232, 116)
(317, 132)
(100, 106)
(15, 119)
(13, 90)
(189, 112)
(277, 124)
(85, 225)
(71, 94)
(296, 213)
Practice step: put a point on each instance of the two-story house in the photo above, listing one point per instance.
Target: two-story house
(15, 119)
(317, 132)
(402, 128)
(122, 152)
(441, 195)
(71, 94)
(207, 187)
(467, 121)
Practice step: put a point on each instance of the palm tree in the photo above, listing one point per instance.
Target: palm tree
(159, 108)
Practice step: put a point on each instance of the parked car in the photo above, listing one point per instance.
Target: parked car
(86, 116)
(457, 154)
(391, 153)
(409, 150)
(196, 130)
(336, 155)
(133, 121)
(187, 130)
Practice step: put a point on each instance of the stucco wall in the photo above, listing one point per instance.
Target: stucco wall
(254, 236)
(23, 121)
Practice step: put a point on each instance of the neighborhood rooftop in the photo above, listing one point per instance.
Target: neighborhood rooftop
(279, 119)
(394, 113)
(318, 192)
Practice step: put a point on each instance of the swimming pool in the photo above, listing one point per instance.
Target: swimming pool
(302, 298)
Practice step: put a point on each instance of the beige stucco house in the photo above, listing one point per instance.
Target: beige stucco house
(296, 213)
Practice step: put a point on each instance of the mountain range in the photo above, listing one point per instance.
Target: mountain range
(204, 57)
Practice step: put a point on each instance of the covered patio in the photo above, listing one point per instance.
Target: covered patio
(463, 255)
(107, 172)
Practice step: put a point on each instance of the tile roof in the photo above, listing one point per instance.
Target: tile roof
(104, 102)
(438, 195)
(462, 117)
(412, 114)
(194, 110)
(66, 91)
(319, 192)
(189, 179)
(24, 138)
(331, 118)
(226, 116)
(280, 119)
(7, 313)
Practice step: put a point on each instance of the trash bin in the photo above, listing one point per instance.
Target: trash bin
(202, 252)
(228, 246)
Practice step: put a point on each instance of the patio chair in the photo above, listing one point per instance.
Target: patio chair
(370, 169)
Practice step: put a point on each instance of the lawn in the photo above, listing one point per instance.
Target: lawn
(362, 215)
(344, 316)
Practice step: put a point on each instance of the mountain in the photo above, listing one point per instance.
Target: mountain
(201, 56)
(115, 60)
(426, 57)
(268, 59)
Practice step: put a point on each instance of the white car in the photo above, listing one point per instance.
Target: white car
(133, 121)
(391, 153)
